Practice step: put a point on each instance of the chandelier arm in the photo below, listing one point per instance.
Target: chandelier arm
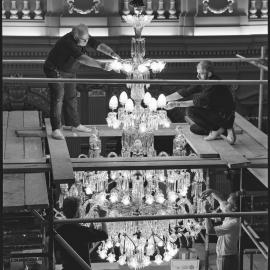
(131, 241)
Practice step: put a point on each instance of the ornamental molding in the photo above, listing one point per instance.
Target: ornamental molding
(207, 7)
(94, 7)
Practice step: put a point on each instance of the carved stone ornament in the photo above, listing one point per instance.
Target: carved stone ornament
(207, 7)
(93, 6)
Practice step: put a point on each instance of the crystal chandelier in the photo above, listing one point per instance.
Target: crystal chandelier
(141, 192)
(131, 115)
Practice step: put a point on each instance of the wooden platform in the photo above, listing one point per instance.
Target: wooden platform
(249, 151)
(24, 190)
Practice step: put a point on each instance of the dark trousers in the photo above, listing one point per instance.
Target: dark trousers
(229, 262)
(63, 99)
(210, 120)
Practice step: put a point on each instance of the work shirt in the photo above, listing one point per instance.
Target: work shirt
(214, 97)
(78, 237)
(65, 52)
(228, 236)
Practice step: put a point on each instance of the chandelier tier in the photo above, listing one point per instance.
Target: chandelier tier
(131, 115)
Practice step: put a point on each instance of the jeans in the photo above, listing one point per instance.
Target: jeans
(210, 120)
(228, 262)
(63, 98)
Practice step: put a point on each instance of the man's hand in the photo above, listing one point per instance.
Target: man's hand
(172, 104)
(115, 56)
(206, 193)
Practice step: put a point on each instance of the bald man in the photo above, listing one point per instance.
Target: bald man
(63, 61)
(210, 107)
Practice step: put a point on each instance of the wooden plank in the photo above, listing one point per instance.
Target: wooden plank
(36, 194)
(236, 128)
(4, 130)
(13, 192)
(24, 161)
(5, 118)
(13, 168)
(260, 174)
(14, 145)
(145, 163)
(249, 147)
(198, 144)
(31, 133)
(13, 185)
(229, 154)
(60, 159)
(253, 131)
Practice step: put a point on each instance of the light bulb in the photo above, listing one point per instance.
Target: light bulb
(147, 98)
(109, 244)
(123, 98)
(102, 197)
(161, 102)
(158, 259)
(172, 196)
(146, 261)
(126, 200)
(129, 106)
(153, 105)
(122, 259)
(142, 68)
(116, 66)
(88, 190)
(116, 124)
(113, 104)
(127, 67)
(149, 199)
(102, 254)
(159, 198)
(142, 128)
(133, 262)
(160, 243)
(157, 66)
(114, 197)
(111, 258)
(166, 124)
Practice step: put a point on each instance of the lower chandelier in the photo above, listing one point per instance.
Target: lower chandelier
(126, 193)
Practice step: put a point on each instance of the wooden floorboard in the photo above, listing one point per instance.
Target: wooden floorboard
(13, 192)
(227, 153)
(198, 144)
(13, 185)
(249, 147)
(253, 131)
(36, 194)
(62, 170)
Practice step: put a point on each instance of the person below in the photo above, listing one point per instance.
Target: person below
(228, 232)
(77, 236)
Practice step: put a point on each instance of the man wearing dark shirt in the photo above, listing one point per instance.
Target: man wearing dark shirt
(77, 236)
(210, 107)
(63, 61)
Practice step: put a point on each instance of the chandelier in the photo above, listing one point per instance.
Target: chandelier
(140, 192)
(131, 115)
